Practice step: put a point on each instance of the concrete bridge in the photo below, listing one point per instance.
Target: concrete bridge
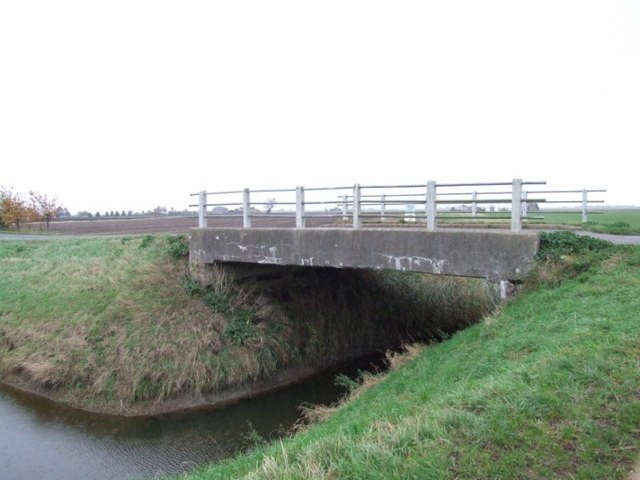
(492, 254)
(499, 255)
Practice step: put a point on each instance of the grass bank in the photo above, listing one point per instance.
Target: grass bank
(117, 325)
(546, 388)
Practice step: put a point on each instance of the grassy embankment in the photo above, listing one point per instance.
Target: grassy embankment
(549, 387)
(116, 325)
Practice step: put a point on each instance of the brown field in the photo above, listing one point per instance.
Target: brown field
(164, 224)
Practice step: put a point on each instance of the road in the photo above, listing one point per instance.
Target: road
(617, 239)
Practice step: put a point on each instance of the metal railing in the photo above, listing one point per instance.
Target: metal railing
(381, 203)
(584, 201)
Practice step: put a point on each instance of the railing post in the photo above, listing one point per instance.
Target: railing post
(426, 206)
(246, 208)
(516, 205)
(525, 207)
(356, 206)
(382, 207)
(300, 219)
(431, 206)
(345, 203)
(474, 204)
(202, 209)
(584, 206)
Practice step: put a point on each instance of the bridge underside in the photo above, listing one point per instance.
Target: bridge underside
(492, 254)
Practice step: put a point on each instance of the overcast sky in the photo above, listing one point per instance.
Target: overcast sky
(120, 105)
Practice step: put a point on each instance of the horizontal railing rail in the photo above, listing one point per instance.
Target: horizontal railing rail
(428, 202)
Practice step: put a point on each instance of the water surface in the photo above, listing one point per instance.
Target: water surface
(41, 439)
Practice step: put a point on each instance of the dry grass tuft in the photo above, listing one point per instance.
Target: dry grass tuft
(39, 370)
(406, 354)
(313, 414)
(612, 262)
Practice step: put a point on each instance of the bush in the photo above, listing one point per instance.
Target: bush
(220, 302)
(146, 241)
(178, 246)
(555, 245)
(565, 255)
(241, 329)
(193, 287)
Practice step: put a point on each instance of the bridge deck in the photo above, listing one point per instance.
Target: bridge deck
(493, 254)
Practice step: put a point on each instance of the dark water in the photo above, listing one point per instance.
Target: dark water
(39, 439)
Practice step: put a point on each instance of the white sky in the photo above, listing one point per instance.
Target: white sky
(120, 105)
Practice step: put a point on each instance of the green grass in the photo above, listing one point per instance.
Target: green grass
(624, 222)
(117, 324)
(619, 222)
(98, 322)
(546, 388)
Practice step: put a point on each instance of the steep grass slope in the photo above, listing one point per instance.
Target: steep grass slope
(117, 324)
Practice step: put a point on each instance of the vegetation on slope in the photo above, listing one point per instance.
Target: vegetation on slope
(116, 324)
(546, 388)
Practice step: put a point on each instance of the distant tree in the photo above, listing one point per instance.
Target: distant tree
(13, 209)
(130, 213)
(117, 214)
(123, 214)
(97, 214)
(269, 204)
(43, 208)
(3, 221)
(111, 214)
(159, 210)
(106, 214)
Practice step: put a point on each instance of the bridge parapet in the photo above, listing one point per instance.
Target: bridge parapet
(430, 203)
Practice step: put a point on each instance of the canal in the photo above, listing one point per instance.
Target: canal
(41, 439)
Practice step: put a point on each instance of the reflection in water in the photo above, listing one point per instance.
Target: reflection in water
(40, 439)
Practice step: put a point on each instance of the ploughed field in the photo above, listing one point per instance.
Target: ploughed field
(164, 224)
(628, 222)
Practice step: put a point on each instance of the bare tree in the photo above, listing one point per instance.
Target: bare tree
(44, 208)
(269, 204)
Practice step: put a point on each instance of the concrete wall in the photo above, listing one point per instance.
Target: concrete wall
(492, 254)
